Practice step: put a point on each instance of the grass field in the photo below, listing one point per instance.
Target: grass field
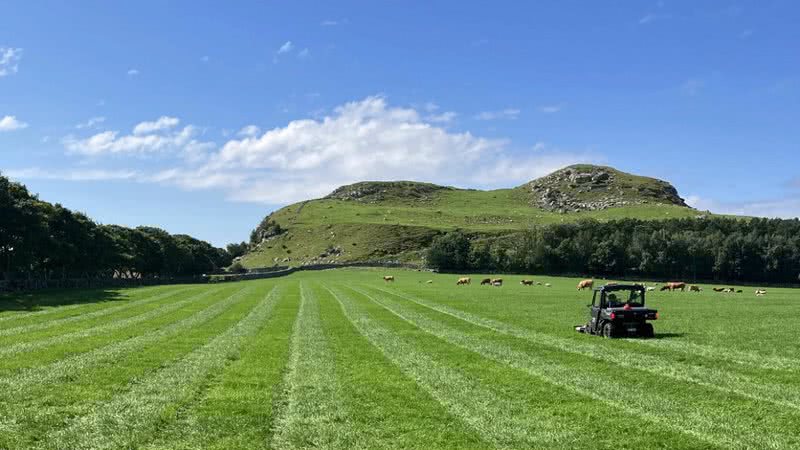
(340, 359)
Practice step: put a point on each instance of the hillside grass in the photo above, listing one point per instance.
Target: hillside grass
(400, 228)
(341, 359)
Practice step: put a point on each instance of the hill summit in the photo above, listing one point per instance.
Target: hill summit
(378, 191)
(585, 187)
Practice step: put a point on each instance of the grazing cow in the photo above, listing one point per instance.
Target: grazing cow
(486, 281)
(739, 291)
(583, 284)
(429, 282)
(729, 290)
(650, 289)
(526, 282)
(718, 289)
(547, 285)
(497, 281)
(388, 278)
(674, 286)
(464, 280)
(761, 292)
(694, 288)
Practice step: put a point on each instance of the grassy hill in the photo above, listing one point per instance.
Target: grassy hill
(397, 220)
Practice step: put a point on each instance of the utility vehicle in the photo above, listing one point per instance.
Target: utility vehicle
(618, 310)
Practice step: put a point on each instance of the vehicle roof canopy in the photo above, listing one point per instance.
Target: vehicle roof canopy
(620, 287)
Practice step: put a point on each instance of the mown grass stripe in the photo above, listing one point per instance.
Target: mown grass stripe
(709, 424)
(130, 418)
(754, 360)
(478, 407)
(312, 411)
(91, 315)
(69, 367)
(237, 409)
(388, 409)
(716, 379)
(99, 329)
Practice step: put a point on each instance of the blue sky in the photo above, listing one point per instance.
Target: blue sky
(201, 118)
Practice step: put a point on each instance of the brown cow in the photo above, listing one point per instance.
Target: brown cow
(464, 280)
(486, 281)
(674, 286)
(718, 289)
(526, 282)
(694, 288)
(497, 281)
(388, 278)
(585, 284)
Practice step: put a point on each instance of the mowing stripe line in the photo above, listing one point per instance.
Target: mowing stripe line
(750, 359)
(94, 314)
(99, 329)
(718, 380)
(312, 412)
(126, 419)
(712, 427)
(55, 309)
(69, 367)
(493, 418)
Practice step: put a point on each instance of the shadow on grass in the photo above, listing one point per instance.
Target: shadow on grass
(35, 301)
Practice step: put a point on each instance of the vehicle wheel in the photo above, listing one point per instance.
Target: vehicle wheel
(588, 329)
(647, 330)
(609, 330)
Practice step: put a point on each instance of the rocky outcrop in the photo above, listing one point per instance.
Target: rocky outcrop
(378, 191)
(589, 188)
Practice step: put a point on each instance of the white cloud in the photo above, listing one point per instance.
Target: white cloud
(36, 173)
(508, 113)
(249, 131)
(308, 158)
(91, 123)
(304, 53)
(786, 208)
(286, 48)
(9, 60)
(159, 136)
(692, 87)
(329, 23)
(362, 140)
(205, 59)
(650, 18)
(445, 117)
(746, 33)
(133, 72)
(550, 109)
(163, 123)
(11, 123)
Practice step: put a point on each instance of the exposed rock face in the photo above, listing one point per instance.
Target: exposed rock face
(377, 191)
(588, 188)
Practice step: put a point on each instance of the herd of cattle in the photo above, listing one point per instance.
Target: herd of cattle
(589, 284)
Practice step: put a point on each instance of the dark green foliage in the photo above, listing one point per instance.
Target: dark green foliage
(40, 240)
(756, 250)
(236, 250)
(450, 251)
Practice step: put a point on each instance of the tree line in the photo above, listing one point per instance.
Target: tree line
(710, 248)
(48, 241)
